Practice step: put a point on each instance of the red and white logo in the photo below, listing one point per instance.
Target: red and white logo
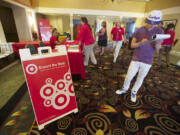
(41, 24)
(58, 95)
(31, 69)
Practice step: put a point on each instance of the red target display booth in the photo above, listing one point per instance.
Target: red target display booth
(49, 83)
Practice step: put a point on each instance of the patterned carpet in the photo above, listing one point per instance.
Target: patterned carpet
(21, 119)
(102, 112)
(10, 81)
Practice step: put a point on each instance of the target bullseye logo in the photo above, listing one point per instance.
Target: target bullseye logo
(47, 103)
(61, 100)
(49, 81)
(71, 89)
(47, 91)
(31, 69)
(57, 95)
(60, 84)
(67, 77)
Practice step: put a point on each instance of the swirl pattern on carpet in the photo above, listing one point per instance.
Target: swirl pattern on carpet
(64, 122)
(154, 101)
(97, 121)
(152, 130)
(79, 131)
(166, 123)
(131, 125)
(118, 131)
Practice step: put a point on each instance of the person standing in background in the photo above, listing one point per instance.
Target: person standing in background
(118, 36)
(143, 54)
(167, 44)
(87, 41)
(158, 29)
(54, 39)
(102, 38)
(160, 25)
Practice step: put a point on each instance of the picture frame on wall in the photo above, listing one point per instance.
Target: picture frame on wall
(166, 22)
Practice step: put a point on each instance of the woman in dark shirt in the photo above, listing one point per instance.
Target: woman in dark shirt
(102, 40)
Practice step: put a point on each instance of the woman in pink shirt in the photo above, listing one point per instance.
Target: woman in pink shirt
(87, 41)
(167, 44)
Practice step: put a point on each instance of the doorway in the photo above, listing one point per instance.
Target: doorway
(8, 24)
(76, 27)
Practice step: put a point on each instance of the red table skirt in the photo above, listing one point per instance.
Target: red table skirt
(76, 64)
(75, 58)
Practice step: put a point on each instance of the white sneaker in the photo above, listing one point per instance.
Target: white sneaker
(85, 64)
(121, 91)
(114, 61)
(133, 97)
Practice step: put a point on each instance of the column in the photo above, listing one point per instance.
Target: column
(71, 26)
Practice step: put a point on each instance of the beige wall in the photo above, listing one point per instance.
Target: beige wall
(21, 21)
(130, 6)
(109, 28)
(61, 22)
(175, 16)
(66, 23)
(161, 4)
(2, 37)
(56, 22)
(139, 22)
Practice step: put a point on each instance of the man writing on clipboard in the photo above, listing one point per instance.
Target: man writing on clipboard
(143, 54)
